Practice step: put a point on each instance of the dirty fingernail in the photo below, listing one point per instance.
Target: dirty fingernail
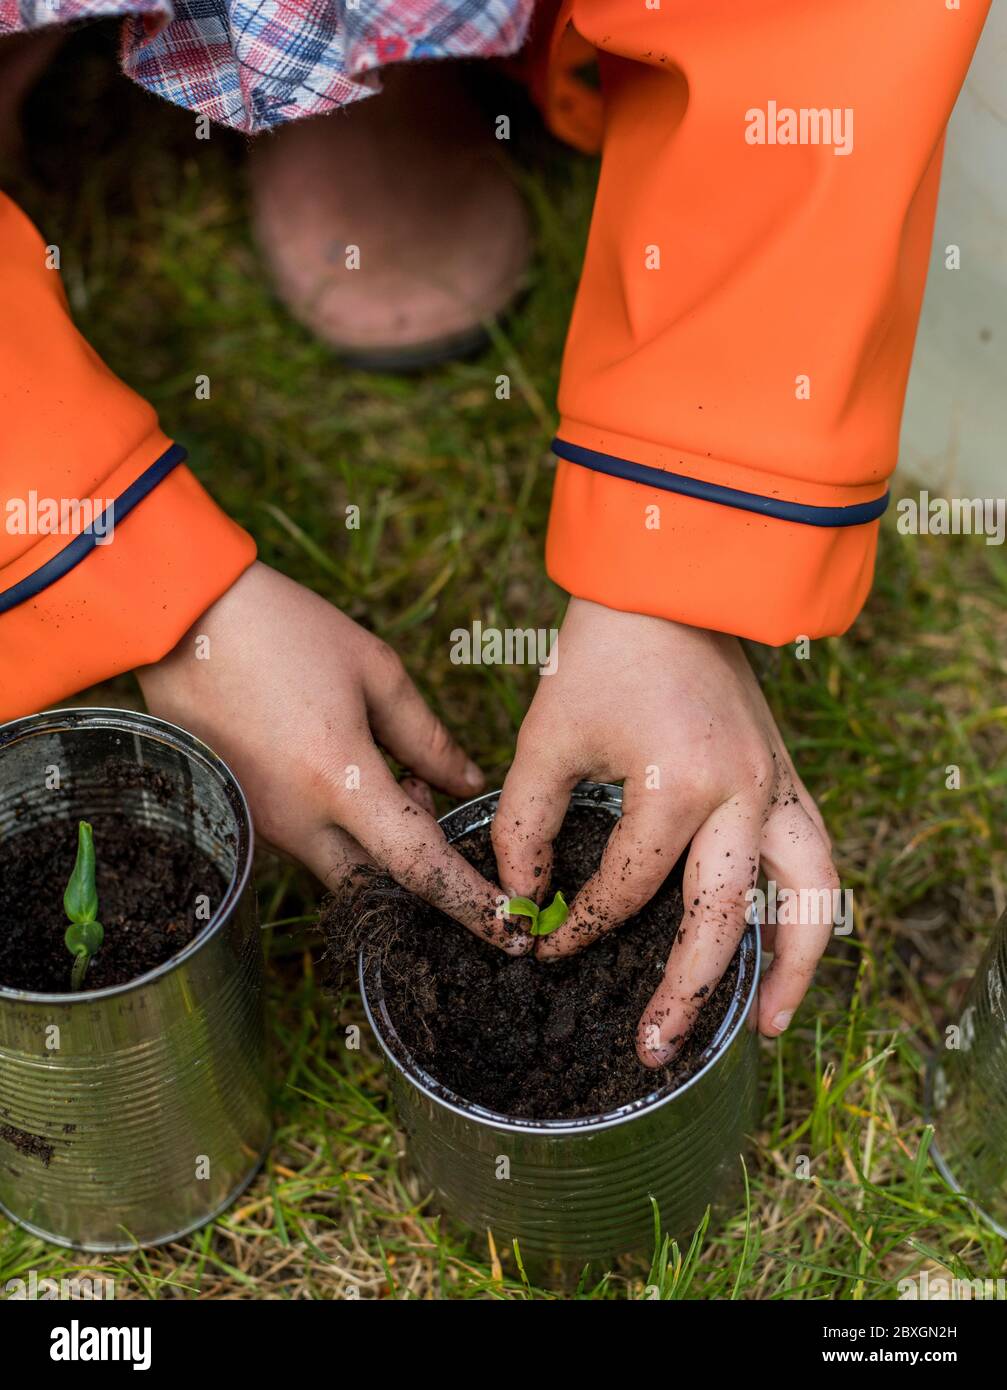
(658, 1053)
(782, 1019)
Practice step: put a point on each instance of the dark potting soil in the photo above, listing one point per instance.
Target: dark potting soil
(521, 1037)
(148, 885)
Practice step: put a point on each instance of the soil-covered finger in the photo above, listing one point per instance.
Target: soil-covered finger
(533, 802)
(410, 845)
(722, 867)
(643, 848)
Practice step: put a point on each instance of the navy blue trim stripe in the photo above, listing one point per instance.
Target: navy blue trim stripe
(855, 515)
(81, 546)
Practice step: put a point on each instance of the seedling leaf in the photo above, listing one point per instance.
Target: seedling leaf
(523, 907)
(85, 934)
(551, 917)
(84, 937)
(81, 897)
(543, 920)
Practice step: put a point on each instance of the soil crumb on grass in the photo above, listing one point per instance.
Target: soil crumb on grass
(148, 887)
(527, 1039)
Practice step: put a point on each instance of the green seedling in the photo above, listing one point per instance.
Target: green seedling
(543, 919)
(85, 933)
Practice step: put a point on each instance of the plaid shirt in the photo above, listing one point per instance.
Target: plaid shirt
(252, 64)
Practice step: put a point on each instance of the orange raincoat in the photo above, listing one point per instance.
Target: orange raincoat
(733, 377)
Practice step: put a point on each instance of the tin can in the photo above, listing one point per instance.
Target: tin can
(581, 1189)
(131, 1115)
(966, 1091)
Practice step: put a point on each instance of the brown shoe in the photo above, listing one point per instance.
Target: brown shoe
(413, 178)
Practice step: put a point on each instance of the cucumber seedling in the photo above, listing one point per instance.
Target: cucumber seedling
(543, 919)
(85, 934)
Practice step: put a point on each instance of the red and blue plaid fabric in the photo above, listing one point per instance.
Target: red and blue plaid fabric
(252, 64)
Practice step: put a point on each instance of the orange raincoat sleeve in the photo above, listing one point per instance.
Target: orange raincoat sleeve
(74, 611)
(738, 354)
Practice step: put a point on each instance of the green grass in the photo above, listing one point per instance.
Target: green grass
(453, 487)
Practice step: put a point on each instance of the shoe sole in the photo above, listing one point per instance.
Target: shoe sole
(415, 357)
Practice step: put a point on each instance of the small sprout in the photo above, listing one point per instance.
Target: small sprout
(85, 934)
(543, 920)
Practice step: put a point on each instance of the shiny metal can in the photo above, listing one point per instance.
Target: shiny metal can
(581, 1189)
(134, 1114)
(966, 1090)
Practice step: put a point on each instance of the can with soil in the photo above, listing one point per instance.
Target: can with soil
(134, 1110)
(580, 1188)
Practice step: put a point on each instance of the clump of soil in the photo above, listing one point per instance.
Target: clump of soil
(521, 1037)
(148, 884)
(33, 1145)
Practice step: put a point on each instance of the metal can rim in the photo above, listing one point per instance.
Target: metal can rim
(149, 725)
(585, 793)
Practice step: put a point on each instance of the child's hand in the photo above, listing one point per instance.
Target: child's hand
(677, 712)
(293, 695)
